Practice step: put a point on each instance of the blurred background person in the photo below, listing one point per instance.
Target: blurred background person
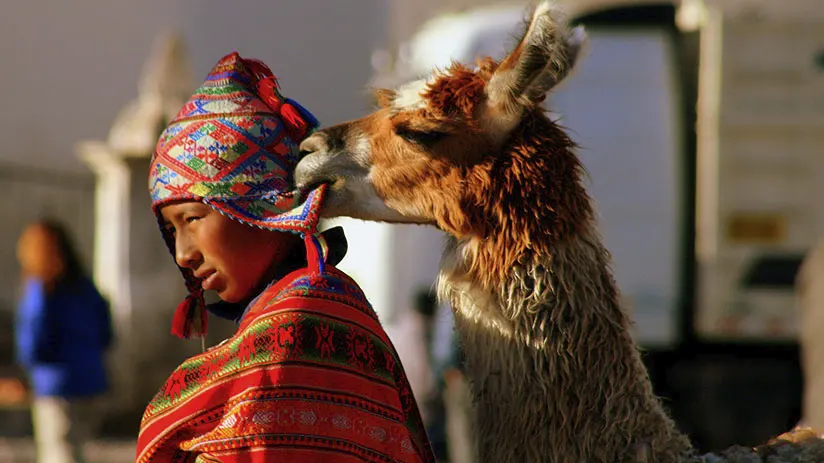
(451, 406)
(62, 332)
(411, 336)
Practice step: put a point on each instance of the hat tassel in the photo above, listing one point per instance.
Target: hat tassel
(190, 319)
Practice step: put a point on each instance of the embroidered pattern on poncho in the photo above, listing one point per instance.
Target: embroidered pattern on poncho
(310, 370)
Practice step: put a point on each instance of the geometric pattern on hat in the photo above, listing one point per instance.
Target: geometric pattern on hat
(231, 148)
(234, 146)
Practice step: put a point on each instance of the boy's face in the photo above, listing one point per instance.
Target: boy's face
(229, 257)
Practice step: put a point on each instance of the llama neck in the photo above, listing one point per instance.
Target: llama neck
(555, 373)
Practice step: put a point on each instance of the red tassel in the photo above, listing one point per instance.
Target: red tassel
(181, 325)
(190, 318)
(267, 89)
(295, 125)
(259, 68)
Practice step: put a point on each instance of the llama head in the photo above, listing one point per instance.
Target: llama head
(428, 153)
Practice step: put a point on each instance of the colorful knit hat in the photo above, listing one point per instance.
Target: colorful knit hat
(234, 146)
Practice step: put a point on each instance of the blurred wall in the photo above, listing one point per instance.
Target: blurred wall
(69, 66)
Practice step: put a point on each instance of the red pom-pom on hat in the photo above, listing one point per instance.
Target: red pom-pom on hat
(268, 92)
(293, 121)
(296, 126)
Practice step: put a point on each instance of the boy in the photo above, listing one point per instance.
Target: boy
(310, 374)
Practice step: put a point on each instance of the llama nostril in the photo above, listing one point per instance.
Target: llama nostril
(313, 144)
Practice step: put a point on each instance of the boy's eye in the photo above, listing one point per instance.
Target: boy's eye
(192, 218)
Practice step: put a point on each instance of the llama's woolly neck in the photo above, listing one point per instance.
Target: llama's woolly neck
(555, 372)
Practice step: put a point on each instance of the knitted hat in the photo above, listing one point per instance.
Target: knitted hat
(234, 146)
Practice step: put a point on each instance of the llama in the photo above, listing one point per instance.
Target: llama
(555, 373)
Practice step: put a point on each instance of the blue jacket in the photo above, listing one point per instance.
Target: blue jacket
(62, 337)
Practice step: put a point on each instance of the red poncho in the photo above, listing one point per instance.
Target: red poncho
(310, 376)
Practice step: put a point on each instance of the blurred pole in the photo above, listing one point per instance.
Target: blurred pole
(111, 256)
(810, 297)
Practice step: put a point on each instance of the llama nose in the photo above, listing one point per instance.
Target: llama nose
(310, 168)
(316, 143)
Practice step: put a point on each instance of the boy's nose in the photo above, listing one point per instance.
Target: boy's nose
(186, 255)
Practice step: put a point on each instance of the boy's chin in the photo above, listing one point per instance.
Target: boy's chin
(229, 296)
(235, 296)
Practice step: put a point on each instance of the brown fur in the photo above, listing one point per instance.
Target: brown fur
(457, 93)
(538, 171)
(384, 97)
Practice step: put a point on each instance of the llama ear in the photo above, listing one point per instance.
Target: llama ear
(544, 56)
(550, 76)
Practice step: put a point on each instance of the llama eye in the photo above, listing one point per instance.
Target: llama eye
(425, 138)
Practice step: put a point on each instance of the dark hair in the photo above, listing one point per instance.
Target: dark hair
(73, 268)
(426, 302)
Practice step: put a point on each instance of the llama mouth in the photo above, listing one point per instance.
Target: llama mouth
(306, 188)
(312, 182)
(308, 176)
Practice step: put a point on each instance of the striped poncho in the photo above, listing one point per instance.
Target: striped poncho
(310, 376)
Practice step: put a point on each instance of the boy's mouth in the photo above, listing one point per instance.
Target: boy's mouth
(208, 280)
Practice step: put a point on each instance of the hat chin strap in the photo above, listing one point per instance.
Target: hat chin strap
(316, 252)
